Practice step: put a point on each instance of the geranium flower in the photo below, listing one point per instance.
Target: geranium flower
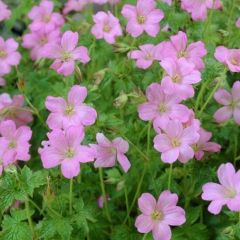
(158, 216)
(66, 53)
(176, 142)
(70, 112)
(144, 17)
(64, 148)
(5, 12)
(225, 193)
(107, 152)
(106, 27)
(231, 103)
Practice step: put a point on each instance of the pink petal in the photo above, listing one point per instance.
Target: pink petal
(123, 161)
(226, 173)
(162, 231)
(162, 143)
(223, 114)
(170, 156)
(77, 95)
(55, 104)
(223, 97)
(147, 203)
(70, 168)
(174, 216)
(221, 54)
(212, 191)
(121, 145)
(236, 115)
(69, 41)
(144, 224)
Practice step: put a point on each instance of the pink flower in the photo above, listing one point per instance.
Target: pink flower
(203, 144)
(106, 27)
(192, 121)
(225, 193)
(8, 55)
(44, 18)
(231, 103)
(64, 148)
(107, 152)
(238, 22)
(199, 8)
(193, 53)
(145, 56)
(175, 143)
(5, 12)
(143, 17)
(74, 5)
(66, 53)
(161, 107)
(229, 57)
(70, 112)
(158, 216)
(15, 142)
(180, 75)
(13, 109)
(39, 42)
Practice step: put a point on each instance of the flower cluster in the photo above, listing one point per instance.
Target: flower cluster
(199, 8)
(9, 57)
(67, 120)
(44, 29)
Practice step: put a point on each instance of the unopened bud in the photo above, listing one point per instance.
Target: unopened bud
(121, 47)
(78, 73)
(121, 100)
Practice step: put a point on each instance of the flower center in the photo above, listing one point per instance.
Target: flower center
(176, 78)
(234, 61)
(106, 28)
(69, 110)
(141, 19)
(3, 54)
(156, 215)
(175, 142)
(162, 108)
(66, 56)
(12, 144)
(69, 153)
(230, 193)
(182, 53)
(46, 18)
(148, 56)
(43, 41)
(195, 147)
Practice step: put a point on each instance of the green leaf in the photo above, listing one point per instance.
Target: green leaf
(13, 227)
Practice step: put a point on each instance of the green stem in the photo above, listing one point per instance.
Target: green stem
(127, 203)
(170, 176)
(235, 149)
(136, 193)
(144, 236)
(209, 98)
(209, 19)
(70, 196)
(148, 137)
(231, 13)
(36, 206)
(29, 218)
(105, 201)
